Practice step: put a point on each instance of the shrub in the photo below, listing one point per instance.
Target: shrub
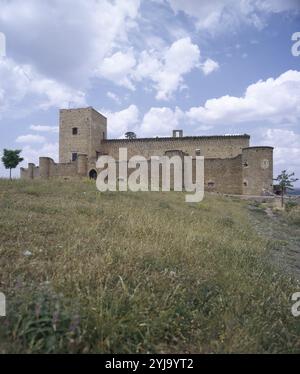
(290, 205)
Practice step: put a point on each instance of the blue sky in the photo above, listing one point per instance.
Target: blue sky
(207, 67)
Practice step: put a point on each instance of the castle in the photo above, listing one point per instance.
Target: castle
(231, 165)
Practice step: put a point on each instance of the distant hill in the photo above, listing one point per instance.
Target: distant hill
(296, 191)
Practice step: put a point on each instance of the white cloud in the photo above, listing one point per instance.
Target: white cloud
(122, 121)
(57, 95)
(278, 6)
(42, 128)
(179, 59)
(30, 139)
(117, 68)
(161, 121)
(209, 66)
(149, 65)
(57, 47)
(67, 40)
(282, 138)
(113, 97)
(158, 121)
(78, 41)
(274, 100)
(167, 70)
(215, 15)
(21, 82)
(33, 154)
(286, 145)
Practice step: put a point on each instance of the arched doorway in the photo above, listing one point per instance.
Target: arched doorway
(93, 174)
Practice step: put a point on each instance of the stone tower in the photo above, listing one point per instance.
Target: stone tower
(81, 132)
(257, 169)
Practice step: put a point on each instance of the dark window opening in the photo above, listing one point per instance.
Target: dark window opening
(93, 174)
(211, 184)
(74, 131)
(74, 156)
(246, 164)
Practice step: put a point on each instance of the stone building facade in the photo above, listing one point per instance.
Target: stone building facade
(231, 165)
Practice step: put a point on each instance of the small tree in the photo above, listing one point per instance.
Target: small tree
(285, 182)
(130, 135)
(11, 159)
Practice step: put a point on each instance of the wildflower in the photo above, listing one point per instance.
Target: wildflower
(55, 319)
(75, 323)
(27, 253)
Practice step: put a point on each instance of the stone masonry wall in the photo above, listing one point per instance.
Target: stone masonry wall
(69, 143)
(220, 175)
(231, 166)
(92, 128)
(223, 175)
(257, 164)
(210, 147)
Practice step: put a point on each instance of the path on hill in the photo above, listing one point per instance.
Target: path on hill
(284, 238)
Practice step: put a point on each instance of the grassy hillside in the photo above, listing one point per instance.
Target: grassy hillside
(85, 271)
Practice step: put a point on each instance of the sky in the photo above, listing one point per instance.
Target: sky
(209, 67)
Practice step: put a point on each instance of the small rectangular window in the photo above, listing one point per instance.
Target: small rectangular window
(74, 156)
(74, 131)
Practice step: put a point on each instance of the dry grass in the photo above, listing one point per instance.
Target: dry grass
(293, 215)
(136, 272)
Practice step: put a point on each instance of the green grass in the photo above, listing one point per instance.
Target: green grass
(136, 272)
(293, 216)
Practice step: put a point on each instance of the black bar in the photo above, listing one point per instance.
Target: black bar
(142, 363)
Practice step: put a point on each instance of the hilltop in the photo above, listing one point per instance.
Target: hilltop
(85, 271)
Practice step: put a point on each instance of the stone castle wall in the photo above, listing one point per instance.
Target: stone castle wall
(31, 172)
(223, 175)
(220, 175)
(209, 147)
(231, 166)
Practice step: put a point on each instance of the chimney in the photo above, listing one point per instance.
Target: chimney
(177, 133)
